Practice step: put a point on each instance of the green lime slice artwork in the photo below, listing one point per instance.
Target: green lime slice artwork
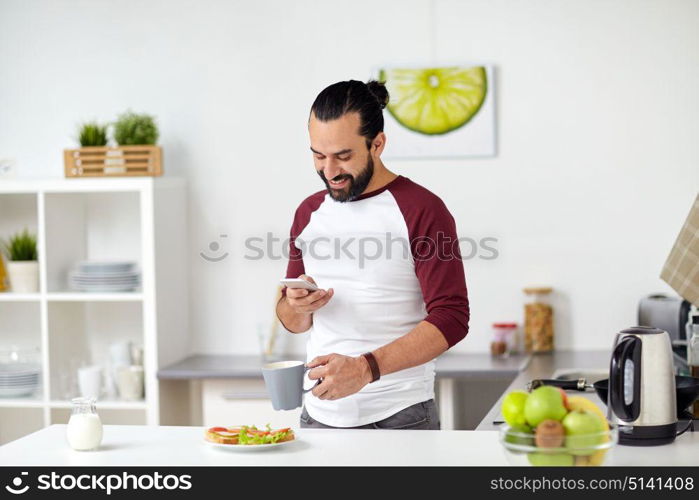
(435, 101)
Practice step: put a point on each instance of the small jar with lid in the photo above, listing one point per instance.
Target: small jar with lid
(538, 320)
(504, 339)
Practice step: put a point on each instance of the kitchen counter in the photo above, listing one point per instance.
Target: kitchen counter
(210, 366)
(449, 369)
(544, 366)
(135, 445)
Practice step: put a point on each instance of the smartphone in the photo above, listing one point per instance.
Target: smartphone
(298, 283)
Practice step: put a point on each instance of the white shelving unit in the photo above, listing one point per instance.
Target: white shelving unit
(136, 219)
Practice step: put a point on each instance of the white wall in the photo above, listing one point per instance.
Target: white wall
(598, 155)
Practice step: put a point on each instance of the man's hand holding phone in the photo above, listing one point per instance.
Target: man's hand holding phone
(303, 301)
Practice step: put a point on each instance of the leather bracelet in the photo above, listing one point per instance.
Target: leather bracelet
(373, 366)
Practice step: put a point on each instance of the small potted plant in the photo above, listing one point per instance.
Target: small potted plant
(132, 129)
(22, 265)
(92, 134)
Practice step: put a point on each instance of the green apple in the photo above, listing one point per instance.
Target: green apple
(513, 408)
(515, 435)
(544, 403)
(584, 430)
(551, 459)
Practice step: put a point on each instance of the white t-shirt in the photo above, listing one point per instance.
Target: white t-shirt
(392, 258)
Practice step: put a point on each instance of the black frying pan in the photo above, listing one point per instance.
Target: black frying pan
(687, 389)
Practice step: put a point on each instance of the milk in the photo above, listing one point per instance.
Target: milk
(84, 431)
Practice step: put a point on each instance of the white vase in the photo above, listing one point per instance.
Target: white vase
(24, 276)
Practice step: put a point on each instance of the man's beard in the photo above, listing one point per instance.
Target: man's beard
(357, 185)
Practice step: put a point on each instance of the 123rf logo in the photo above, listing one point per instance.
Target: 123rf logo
(107, 483)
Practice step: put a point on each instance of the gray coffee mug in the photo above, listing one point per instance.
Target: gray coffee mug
(284, 381)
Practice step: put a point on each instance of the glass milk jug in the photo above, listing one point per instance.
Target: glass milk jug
(84, 430)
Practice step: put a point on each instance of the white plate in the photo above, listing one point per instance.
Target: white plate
(106, 283)
(13, 393)
(105, 266)
(105, 271)
(105, 279)
(19, 368)
(13, 378)
(100, 279)
(100, 288)
(126, 274)
(250, 447)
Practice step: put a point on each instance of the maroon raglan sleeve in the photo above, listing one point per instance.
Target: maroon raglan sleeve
(295, 267)
(438, 265)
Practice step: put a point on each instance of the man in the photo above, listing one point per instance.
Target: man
(384, 253)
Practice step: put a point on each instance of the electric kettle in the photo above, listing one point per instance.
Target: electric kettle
(641, 394)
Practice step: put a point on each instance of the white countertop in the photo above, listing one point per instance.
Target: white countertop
(139, 445)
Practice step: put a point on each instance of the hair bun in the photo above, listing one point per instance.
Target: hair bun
(378, 89)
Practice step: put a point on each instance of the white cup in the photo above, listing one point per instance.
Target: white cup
(90, 381)
(120, 353)
(130, 382)
(137, 355)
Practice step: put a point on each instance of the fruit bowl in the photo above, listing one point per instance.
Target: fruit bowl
(587, 449)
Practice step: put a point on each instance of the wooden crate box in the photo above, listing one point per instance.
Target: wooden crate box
(121, 161)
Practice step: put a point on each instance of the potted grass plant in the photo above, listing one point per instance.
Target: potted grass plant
(92, 134)
(135, 153)
(22, 263)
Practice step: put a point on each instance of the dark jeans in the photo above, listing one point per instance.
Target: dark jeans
(423, 416)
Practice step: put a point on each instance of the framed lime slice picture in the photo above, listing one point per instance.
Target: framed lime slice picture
(439, 111)
(435, 101)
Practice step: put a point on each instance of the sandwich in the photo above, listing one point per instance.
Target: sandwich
(248, 435)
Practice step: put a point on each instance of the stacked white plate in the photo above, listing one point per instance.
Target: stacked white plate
(18, 379)
(100, 276)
